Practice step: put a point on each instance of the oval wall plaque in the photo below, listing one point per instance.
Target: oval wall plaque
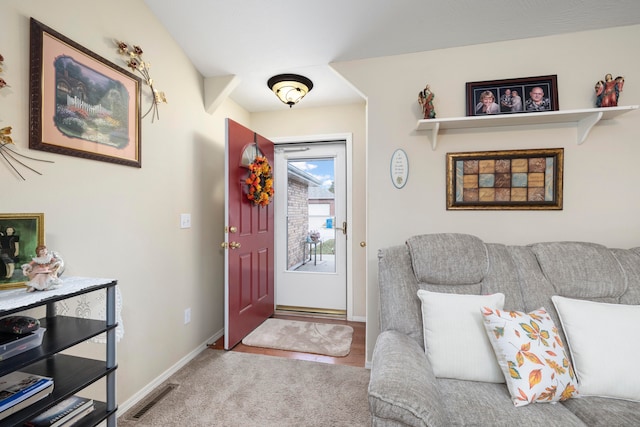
(399, 168)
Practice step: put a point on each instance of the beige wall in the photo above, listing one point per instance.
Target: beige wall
(601, 202)
(123, 222)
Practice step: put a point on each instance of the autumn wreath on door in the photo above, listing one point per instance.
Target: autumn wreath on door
(260, 182)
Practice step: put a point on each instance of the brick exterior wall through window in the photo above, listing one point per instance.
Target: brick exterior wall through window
(298, 220)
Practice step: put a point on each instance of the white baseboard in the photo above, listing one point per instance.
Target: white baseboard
(362, 319)
(131, 402)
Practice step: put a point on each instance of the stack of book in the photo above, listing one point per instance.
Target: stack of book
(20, 389)
(64, 414)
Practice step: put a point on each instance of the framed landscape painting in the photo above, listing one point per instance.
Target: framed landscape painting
(81, 104)
(20, 234)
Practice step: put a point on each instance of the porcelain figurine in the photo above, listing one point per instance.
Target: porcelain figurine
(608, 91)
(425, 99)
(44, 270)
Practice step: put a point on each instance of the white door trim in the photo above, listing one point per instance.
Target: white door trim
(348, 139)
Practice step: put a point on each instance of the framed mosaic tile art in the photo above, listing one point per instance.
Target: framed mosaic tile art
(503, 180)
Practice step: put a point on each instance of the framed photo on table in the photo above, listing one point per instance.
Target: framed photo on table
(20, 235)
(512, 96)
(81, 104)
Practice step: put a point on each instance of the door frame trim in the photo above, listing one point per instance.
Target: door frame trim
(327, 138)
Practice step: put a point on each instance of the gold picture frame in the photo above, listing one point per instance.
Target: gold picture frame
(503, 180)
(20, 234)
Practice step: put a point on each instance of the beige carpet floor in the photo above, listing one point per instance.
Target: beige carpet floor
(226, 388)
(306, 337)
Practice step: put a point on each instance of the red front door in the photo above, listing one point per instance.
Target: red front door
(249, 256)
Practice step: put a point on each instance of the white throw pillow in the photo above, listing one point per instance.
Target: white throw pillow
(604, 346)
(531, 355)
(454, 338)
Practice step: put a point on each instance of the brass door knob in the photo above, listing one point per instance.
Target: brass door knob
(232, 245)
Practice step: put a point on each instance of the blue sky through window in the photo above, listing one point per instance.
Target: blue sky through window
(322, 169)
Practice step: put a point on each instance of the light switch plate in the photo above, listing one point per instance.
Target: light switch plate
(185, 220)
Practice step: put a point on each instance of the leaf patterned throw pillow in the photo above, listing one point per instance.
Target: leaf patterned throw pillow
(531, 355)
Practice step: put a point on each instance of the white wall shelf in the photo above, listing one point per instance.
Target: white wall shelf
(584, 120)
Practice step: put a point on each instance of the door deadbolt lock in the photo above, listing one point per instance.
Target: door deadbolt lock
(231, 229)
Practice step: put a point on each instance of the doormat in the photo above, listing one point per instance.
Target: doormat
(306, 337)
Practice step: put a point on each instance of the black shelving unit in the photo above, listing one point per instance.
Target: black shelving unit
(70, 374)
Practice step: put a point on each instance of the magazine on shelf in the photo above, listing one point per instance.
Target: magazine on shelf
(26, 402)
(21, 401)
(76, 418)
(65, 413)
(17, 387)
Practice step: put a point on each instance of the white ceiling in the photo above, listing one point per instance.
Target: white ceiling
(256, 39)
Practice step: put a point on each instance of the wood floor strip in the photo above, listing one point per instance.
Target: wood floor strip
(356, 356)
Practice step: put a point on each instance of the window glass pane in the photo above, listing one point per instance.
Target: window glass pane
(311, 215)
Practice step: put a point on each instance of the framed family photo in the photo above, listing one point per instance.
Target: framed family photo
(522, 95)
(20, 235)
(505, 180)
(81, 104)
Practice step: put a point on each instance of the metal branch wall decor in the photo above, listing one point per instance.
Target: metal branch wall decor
(10, 155)
(133, 57)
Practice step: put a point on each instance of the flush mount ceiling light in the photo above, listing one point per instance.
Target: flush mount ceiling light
(290, 88)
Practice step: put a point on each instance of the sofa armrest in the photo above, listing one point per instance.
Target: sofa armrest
(402, 388)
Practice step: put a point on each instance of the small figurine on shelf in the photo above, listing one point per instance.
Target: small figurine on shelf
(425, 99)
(44, 270)
(608, 91)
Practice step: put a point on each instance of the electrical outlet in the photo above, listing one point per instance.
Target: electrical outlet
(185, 220)
(187, 315)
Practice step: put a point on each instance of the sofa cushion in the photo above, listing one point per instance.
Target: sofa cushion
(630, 262)
(454, 338)
(470, 403)
(398, 287)
(531, 355)
(604, 346)
(604, 412)
(581, 270)
(448, 259)
(401, 389)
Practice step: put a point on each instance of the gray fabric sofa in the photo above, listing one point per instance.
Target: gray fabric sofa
(403, 389)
